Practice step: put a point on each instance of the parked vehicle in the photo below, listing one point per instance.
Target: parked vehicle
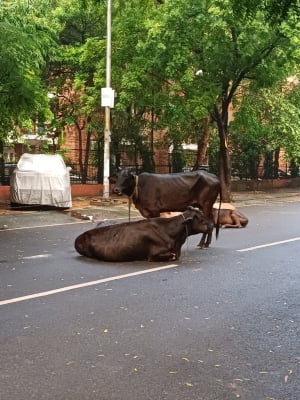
(41, 179)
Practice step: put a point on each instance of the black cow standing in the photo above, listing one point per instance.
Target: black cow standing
(154, 239)
(153, 194)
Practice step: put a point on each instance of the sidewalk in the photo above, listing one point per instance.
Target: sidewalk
(248, 198)
(96, 209)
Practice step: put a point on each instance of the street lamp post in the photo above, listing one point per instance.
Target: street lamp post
(107, 104)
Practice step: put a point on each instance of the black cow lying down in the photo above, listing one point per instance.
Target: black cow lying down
(155, 239)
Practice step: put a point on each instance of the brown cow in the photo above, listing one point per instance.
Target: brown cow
(154, 239)
(153, 194)
(228, 216)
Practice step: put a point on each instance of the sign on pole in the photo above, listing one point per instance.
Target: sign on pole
(107, 100)
(107, 97)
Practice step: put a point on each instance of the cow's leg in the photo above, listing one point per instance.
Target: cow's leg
(202, 241)
(205, 240)
(163, 256)
(163, 252)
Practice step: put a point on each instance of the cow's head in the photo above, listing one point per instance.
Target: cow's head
(196, 221)
(125, 182)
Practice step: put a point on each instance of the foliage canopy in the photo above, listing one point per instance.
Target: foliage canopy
(175, 63)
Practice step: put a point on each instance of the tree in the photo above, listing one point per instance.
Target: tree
(25, 46)
(72, 77)
(254, 42)
(267, 120)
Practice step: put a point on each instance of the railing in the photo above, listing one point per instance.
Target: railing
(6, 174)
(175, 162)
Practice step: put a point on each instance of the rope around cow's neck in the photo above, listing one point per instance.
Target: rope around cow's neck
(135, 192)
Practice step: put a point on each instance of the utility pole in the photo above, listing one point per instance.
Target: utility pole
(107, 101)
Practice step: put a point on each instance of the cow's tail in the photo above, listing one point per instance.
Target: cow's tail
(130, 198)
(129, 206)
(217, 225)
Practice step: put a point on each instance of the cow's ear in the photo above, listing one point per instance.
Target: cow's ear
(112, 178)
(188, 219)
(132, 171)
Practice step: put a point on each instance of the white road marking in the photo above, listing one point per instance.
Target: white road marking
(36, 256)
(94, 223)
(269, 244)
(43, 226)
(86, 284)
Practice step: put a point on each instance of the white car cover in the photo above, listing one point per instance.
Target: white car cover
(41, 179)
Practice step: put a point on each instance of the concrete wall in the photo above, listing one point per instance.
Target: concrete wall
(76, 190)
(263, 185)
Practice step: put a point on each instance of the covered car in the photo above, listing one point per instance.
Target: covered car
(41, 179)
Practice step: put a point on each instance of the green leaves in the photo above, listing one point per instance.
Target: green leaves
(241, 47)
(267, 119)
(25, 47)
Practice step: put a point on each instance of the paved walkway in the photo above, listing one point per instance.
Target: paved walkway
(96, 210)
(248, 198)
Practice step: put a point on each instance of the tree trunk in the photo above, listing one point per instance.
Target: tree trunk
(83, 150)
(276, 163)
(224, 157)
(87, 150)
(80, 151)
(1, 161)
(224, 171)
(202, 144)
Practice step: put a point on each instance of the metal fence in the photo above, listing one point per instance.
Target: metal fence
(6, 173)
(92, 172)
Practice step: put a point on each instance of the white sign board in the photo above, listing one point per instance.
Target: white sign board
(107, 97)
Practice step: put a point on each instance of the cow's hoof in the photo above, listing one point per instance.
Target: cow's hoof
(203, 246)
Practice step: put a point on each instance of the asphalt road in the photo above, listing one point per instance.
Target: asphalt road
(220, 324)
